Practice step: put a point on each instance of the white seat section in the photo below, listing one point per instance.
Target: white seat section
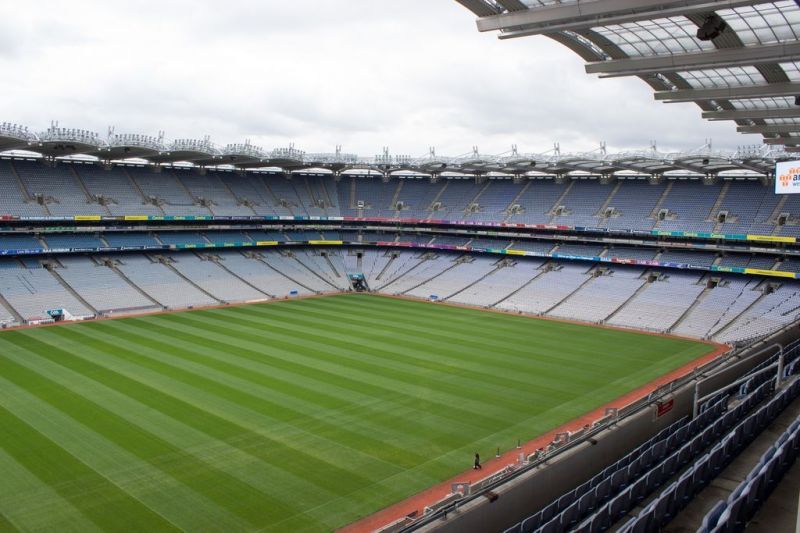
(601, 296)
(260, 275)
(457, 278)
(721, 305)
(13, 200)
(117, 189)
(209, 187)
(213, 279)
(168, 191)
(316, 262)
(33, 292)
(403, 261)
(499, 284)
(101, 287)
(420, 274)
(548, 289)
(769, 313)
(661, 303)
(161, 283)
(293, 269)
(59, 187)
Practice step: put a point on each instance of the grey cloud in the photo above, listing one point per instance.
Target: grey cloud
(362, 73)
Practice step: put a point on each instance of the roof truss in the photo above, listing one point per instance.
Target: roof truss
(723, 57)
(753, 114)
(730, 93)
(583, 15)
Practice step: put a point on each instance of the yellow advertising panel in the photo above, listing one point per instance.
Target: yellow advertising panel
(773, 273)
(771, 238)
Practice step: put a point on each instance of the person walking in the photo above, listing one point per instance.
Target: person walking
(477, 465)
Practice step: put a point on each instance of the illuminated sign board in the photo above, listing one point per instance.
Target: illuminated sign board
(787, 177)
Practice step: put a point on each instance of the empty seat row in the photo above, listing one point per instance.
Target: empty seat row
(609, 481)
(640, 486)
(740, 506)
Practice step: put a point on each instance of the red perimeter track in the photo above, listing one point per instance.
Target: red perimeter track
(418, 502)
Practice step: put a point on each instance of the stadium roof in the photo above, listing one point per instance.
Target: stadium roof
(736, 59)
(58, 142)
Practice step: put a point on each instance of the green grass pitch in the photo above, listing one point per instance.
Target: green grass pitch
(295, 416)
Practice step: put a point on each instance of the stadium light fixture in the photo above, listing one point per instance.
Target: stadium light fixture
(712, 27)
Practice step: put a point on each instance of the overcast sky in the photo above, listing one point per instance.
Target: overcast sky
(407, 74)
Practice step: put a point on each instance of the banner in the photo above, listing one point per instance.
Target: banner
(787, 177)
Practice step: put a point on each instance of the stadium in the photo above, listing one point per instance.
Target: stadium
(209, 337)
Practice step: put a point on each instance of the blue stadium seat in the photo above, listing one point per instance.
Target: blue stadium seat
(570, 516)
(587, 503)
(549, 512)
(638, 490)
(711, 519)
(683, 488)
(618, 506)
(603, 490)
(552, 526)
(532, 523)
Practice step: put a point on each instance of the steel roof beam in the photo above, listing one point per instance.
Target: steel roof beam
(769, 128)
(723, 57)
(783, 141)
(590, 13)
(479, 7)
(730, 93)
(753, 114)
(512, 5)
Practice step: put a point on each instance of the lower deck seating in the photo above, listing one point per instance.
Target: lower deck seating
(721, 307)
(102, 287)
(34, 291)
(746, 499)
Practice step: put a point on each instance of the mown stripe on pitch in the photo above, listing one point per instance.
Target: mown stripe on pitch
(227, 491)
(211, 425)
(582, 338)
(5, 524)
(431, 339)
(339, 359)
(311, 358)
(231, 455)
(488, 369)
(503, 363)
(208, 420)
(408, 363)
(349, 415)
(645, 350)
(32, 504)
(495, 323)
(449, 424)
(166, 496)
(49, 462)
(517, 415)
